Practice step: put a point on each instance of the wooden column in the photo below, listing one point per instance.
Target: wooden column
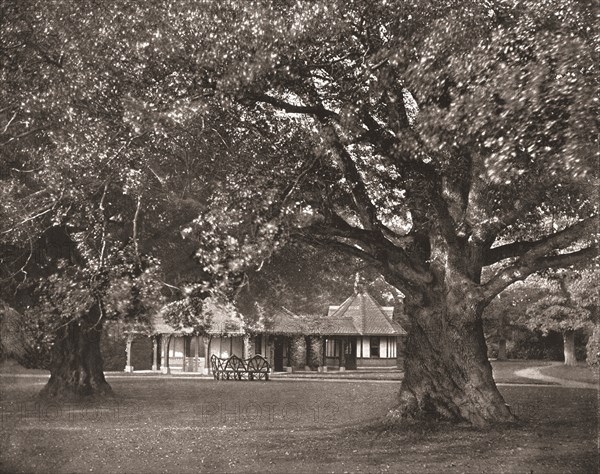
(183, 339)
(206, 341)
(248, 350)
(270, 351)
(245, 346)
(342, 341)
(128, 366)
(166, 343)
(154, 353)
(196, 343)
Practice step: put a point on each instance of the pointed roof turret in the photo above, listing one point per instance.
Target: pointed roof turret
(367, 316)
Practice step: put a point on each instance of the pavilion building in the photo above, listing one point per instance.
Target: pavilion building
(357, 334)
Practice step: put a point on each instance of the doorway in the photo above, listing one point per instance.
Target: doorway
(279, 345)
(350, 354)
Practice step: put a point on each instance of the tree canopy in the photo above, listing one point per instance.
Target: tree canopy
(432, 140)
(567, 301)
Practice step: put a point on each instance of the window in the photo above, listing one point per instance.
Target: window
(392, 342)
(366, 346)
(331, 348)
(374, 346)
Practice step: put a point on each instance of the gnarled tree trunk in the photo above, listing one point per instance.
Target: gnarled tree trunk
(76, 367)
(447, 375)
(569, 347)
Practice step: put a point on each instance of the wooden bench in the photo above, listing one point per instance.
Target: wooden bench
(234, 368)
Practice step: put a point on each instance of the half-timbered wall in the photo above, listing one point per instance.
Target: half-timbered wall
(385, 344)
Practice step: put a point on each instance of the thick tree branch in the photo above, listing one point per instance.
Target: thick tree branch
(322, 241)
(385, 252)
(287, 192)
(525, 267)
(366, 209)
(387, 144)
(486, 230)
(400, 280)
(315, 110)
(543, 245)
(343, 228)
(515, 249)
(367, 212)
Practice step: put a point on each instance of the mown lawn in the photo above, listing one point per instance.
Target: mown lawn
(578, 373)
(504, 370)
(192, 425)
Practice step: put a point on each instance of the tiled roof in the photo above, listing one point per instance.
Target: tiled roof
(358, 315)
(286, 322)
(368, 317)
(338, 327)
(222, 320)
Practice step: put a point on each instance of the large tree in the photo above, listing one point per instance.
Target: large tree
(429, 139)
(436, 139)
(562, 301)
(567, 301)
(92, 197)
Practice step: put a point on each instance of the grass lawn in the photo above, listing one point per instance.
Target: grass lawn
(363, 374)
(578, 373)
(9, 366)
(504, 370)
(191, 425)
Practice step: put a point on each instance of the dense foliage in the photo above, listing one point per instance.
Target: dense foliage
(429, 139)
(559, 301)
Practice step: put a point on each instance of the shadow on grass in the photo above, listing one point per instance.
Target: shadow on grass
(171, 425)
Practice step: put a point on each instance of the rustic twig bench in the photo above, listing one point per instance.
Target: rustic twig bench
(235, 368)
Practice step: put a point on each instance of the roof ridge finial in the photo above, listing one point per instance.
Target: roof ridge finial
(357, 284)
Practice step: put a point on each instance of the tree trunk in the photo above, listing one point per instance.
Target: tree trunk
(593, 348)
(569, 347)
(502, 349)
(447, 375)
(76, 367)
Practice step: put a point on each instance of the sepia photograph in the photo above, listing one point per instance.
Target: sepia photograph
(299, 236)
